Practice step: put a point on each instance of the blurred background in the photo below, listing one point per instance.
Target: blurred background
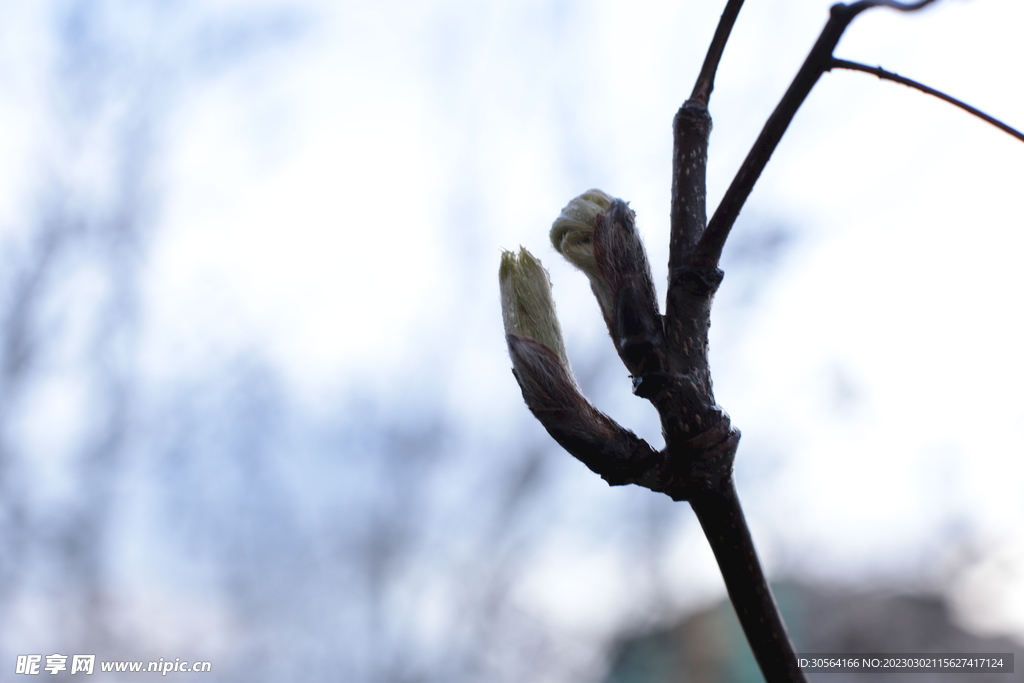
(255, 402)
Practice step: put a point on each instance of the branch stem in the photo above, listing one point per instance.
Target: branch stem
(691, 130)
(706, 80)
(902, 80)
(722, 519)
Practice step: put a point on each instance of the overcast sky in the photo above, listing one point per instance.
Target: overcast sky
(339, 201)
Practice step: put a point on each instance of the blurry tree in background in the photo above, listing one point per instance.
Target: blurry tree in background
(208, 517)
(71, 310)
(410, 522)
(74, 409)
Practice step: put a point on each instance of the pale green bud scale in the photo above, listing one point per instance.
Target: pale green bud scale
(527, 306)
(572, 235)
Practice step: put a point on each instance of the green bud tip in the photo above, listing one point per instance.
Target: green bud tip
(527, 306)
(572, 235)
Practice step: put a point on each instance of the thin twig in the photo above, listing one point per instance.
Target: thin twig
(709, 249)
(706, 80)
(896, 78)
(691, 131)
(891, 4)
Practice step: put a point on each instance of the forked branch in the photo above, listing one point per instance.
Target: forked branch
(691, 130)
(709, 249)
(667, 356)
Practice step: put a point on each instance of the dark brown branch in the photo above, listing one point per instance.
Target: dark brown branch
(722, 519)
(858, 7)
(896, 78)
(691, 130)
(709, 249)
(706, 79)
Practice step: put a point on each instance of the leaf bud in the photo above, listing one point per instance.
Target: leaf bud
(527, 307)
(572, 235)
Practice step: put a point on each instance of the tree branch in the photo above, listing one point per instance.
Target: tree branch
(819, 60)
(668, 357)
(722, 520)
(859, 7)
(896, 78)
(691, 130)
(706, 79)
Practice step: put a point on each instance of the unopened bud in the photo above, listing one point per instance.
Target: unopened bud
(597, 234)
(527, 306)
(572, 235)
